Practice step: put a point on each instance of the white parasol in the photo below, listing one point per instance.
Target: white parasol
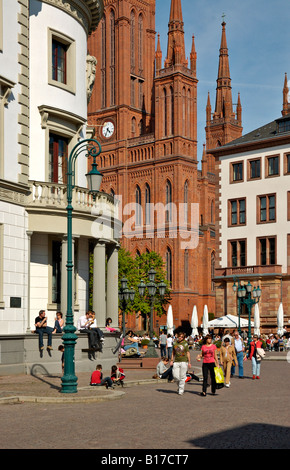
(280, 320)
(169, 321)
(256, 320)
(194, 322)
(205, 321)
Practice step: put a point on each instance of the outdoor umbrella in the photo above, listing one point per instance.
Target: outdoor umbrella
(228, 321)
(194, 322)
(256, 320)
(280, 320)
(169, 321)
(205, 321)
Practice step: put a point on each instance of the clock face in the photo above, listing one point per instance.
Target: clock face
(108, 129)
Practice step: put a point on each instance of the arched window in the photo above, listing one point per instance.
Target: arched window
(103, 61)
(140, 44)
(168, 188)
(186, 202)
(171, 130)
(138, 212)
(184, 111)
(212, 270)
(132, 40)
(164, 113)
(188, 113)
(133, 126)
(212, 212)
(169, 266)
(186, 255)
(147, 205)
(112, 60)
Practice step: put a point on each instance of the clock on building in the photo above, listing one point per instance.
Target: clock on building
(108, 129)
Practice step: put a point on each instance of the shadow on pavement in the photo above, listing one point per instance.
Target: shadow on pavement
(41, 373)
(251, 436)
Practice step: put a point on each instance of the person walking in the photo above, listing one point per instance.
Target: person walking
(254, 356)
(227, 358)
(210, 361)
(180, 360)
(239, 346)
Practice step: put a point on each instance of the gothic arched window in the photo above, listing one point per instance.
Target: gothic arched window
(186, 255)
(168, 189)
(169, 266)
(112, 59)
(147, 204)
(164, 112)
(138, 213)
(186, 202)
(212, 270)
(140, 44)
(132, 40)
(103, 61)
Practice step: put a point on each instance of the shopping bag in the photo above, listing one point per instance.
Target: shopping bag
(219, 375)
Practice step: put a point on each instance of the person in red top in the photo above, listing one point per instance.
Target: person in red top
(97, 378)
(256, 362)
(210, 361)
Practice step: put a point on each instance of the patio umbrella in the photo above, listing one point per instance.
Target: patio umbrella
(256, 320)
(169, 321)
(280, 320)
(194, 322)
(205, 321)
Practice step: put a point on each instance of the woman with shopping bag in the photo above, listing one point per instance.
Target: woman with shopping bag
(228, 358)
(210, 361)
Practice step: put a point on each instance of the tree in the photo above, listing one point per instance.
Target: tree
(136, 270)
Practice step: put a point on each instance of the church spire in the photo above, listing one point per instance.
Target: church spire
(286, 104)
(224, 106)
(193, 58)
(158, 55)
(176, 45)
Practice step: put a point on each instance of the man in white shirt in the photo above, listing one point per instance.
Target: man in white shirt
(238, 343)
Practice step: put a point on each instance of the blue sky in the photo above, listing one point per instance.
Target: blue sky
(258, 37)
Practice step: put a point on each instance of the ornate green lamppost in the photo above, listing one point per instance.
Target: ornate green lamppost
(94, 178)
(151, 288)
(248, 296)
(126, 295)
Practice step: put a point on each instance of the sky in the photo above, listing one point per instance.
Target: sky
(258, 37)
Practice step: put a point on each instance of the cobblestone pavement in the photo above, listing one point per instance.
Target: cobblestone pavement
(251, 414)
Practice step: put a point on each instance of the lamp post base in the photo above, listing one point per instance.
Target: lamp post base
(151, 350)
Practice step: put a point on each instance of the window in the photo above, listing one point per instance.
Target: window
(168, 216)
(103, 61)
(237, 253)
(132, 40)
(284, 126)
(186, 254)
(186, 202)
(272, 166)
(169, 266)
(266, 210)
(112, 60)
(56, 272)
(147, 205)
(62, 61)
(255, 169)
(237, 208)
(212, 271)
(58, 154)
(138, 206)
(237, 172)
(266, 251)
(286, 163)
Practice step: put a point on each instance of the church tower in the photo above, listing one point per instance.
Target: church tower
(224, 124)
(144, 113)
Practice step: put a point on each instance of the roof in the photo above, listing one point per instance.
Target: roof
(269, 131)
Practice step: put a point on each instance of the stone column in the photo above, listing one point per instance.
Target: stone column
(112, 284)
(29, 236)
(99, 283)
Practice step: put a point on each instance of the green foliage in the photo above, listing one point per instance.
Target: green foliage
(136, 270)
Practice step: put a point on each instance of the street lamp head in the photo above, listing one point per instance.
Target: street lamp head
(151, 274)
(243, 292)
(121, 296)
(151, 289)
(132, 294)
(94, 179)
(124, 283)
(258, 290)
(235, 287)
(141, 288)
(249, 287)
(126, 294)
(162, 288)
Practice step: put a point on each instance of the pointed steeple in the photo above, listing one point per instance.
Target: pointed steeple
(158, 55)
(239, 110)
(176, 45)
(193, 58)
(224, 106)
(286, 104)
(208, 110)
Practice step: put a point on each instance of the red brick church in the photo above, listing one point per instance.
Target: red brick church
(144, 112)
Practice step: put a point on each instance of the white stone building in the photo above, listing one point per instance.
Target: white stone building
(44, 89)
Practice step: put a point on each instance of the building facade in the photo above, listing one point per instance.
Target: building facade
(45, 83)
(144, 111)
(253, 218)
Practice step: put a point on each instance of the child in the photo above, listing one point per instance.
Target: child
(97, 378)
(117, 375)
(61, 349)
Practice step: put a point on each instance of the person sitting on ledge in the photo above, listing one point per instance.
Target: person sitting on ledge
(41, 328)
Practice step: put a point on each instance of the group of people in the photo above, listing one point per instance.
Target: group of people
(117, 377)
(232, 354)
(41, 328)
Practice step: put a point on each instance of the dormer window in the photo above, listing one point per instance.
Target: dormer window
(284, 126)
